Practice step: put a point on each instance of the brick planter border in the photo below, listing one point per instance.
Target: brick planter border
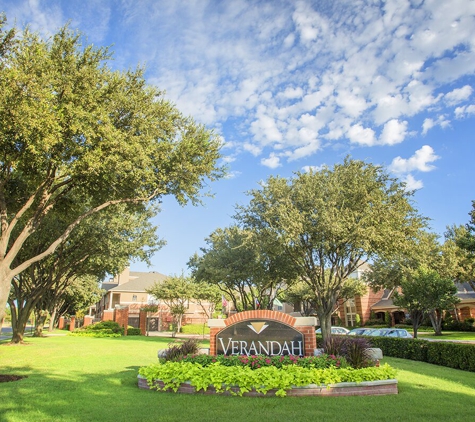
(367, 388)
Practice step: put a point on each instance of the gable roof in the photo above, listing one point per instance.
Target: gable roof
(139, 281)
(465, 293)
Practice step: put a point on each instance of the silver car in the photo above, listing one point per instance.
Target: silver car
(360, 331)
(398, 332)
(335, 330)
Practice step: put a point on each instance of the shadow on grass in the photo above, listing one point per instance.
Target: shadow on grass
(116, 397)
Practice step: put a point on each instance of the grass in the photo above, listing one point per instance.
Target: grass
(74, 379)
(448, 335)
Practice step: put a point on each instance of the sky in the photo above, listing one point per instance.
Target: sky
(292, 85)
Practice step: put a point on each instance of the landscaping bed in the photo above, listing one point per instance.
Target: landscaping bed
(291, 376)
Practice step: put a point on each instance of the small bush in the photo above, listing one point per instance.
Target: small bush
(177, 350)
(355, 350)
(134, 332)
(100, 329)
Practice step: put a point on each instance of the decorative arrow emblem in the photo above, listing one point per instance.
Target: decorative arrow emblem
(258, 327)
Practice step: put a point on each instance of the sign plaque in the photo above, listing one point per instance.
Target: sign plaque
(260, 337)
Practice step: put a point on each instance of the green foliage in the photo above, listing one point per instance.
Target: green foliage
(452, 355)
(330, 222)
(243, 266)
(175, 292)
(453, 325)
(134, 332)
(100, 329)
(224, 378)
(259, 361)
(74, 129)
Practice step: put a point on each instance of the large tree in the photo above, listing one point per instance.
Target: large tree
(330, 222)
(98, 247)
(244, 267)
(426, 260)
(68, 123)
(425, 293)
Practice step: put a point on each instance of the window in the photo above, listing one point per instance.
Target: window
(134, 298)
(350, 313)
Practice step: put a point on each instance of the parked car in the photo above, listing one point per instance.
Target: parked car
(360, 331)
(398, 332)
(335, 330)
(379, 332)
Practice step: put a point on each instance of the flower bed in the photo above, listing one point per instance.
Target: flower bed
(289, 379)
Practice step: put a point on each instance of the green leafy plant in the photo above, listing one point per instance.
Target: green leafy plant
(238, 380)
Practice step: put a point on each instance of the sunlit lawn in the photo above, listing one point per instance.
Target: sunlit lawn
(448, 335)
(86, 379)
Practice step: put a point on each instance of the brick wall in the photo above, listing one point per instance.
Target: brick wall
(305, 325)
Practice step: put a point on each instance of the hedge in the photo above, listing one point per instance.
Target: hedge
(452, 355)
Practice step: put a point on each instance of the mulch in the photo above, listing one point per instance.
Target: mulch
(9, 378)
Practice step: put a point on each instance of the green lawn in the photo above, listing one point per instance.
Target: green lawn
(87, 379)
(448, 335)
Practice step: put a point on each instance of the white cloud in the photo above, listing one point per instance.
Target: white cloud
(307, 169)
(273, 161)
(359, 135)
(253, 149)
(464, 111)
(420, 161)
(394, 132)
(340, 71)
(412, 183)
(430, 123)
(427, 125)
(458, 95)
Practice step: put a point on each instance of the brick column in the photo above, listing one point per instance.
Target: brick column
(108, 315)
(61, 323)
(143, 322)
(72, 323)
(122, 318)
(88, 320)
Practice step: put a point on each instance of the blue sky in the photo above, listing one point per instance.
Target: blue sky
(295, 84)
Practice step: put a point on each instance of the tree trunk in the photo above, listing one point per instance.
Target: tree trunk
(417, 318)
(436, 321)
(52, 320)
(19, 325)
(40, 319)
(5, 285)
(325, 324)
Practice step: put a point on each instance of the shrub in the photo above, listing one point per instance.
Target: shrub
(355, 350)
(352, 349)
(260, 361)
(134, 332)
(452, 355)
(452, 325)
(100, 329)
(177, 350)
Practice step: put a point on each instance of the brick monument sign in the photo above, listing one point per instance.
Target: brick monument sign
(263, 332)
